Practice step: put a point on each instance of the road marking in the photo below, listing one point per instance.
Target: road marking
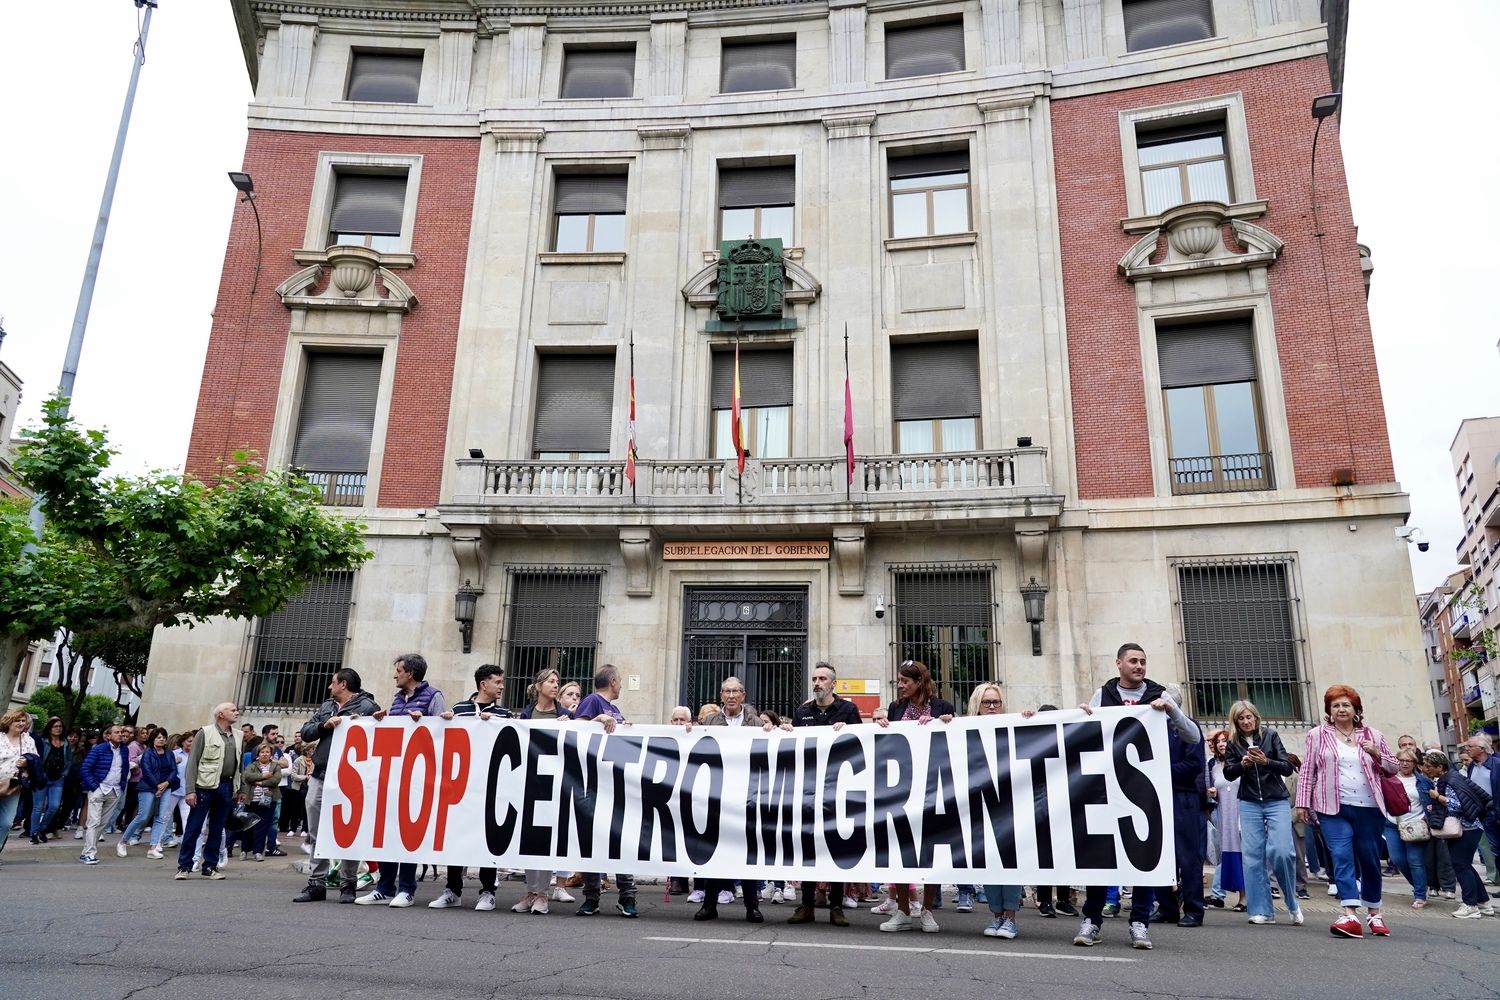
(897, 948)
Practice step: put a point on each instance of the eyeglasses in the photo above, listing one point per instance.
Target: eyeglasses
(987, 703)
(731, 690)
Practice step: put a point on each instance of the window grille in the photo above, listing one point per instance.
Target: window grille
(1240, 636)
(299, 647)
(552, 623)
(943, 614)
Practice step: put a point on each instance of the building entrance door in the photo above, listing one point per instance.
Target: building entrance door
(755, 634)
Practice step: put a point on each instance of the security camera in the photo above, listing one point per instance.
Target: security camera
(1413, 536)
(880, 606)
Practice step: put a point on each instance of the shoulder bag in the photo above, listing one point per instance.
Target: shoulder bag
(1414, 829)
(1451, 829)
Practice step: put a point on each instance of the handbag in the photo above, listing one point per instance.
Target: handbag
(1397, 802)
(1414, 829)
(1451, 829)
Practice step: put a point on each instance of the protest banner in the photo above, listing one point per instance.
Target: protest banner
(1060, 798)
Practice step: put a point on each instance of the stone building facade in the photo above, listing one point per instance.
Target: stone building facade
(1104, 326)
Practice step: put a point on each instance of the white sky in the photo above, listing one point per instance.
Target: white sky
(1417, 142)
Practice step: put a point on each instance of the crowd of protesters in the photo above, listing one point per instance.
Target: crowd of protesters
(1267, 819)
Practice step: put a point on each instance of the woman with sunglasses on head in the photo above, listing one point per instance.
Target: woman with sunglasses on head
(1454, 796)
(1340, 782)
(916, 701)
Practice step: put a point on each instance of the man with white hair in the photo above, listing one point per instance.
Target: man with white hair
(1484, 771)
(213, 781)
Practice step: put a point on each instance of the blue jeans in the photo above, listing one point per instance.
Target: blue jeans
(271, 843)
(1266, 837)
(1353, 835)
(396, 878)
(44, 804)
(1003, 898)
(8, 806)
(1411, 859)
(1462, 852)
(213, 805)
(164, 810)
(145, 813)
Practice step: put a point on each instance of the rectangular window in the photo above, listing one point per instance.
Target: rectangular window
(1208, 381)
(384, 77)
(589, 213)
(551, 623)
(924, 49)
(1183, 164)
(757, 202)
(598, 73)
(335, 423)
(575, 396)
(944, 616)
(935, 399)
(1151, 24)
(765, 402)
(300, 646)
(1239, 637)
(929, 193)
(769, 64)
(367, 211)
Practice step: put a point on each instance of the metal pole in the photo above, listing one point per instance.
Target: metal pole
(96, 248)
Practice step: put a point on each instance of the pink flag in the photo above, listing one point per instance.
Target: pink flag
(849, 427)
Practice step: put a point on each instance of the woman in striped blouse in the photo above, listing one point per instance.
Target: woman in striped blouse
(1340, 781)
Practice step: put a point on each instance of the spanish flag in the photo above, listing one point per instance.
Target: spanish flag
(630, 429)
(736, 430)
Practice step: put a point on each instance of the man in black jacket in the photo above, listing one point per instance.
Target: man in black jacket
(346, 700)
(483, 704)
(1190, 823)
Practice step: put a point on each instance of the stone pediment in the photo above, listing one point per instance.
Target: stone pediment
(701, 290)
(1194, 240)
(345, 277)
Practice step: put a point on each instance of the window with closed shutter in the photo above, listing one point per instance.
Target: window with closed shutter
(1209, 390)
(923, 49)
(757, 202)
(765, 402)
(1239, 636)
(759, 65)
(943, 616)
(384, 77)
(575, 395)
(935, 398)
(300, 646)
(929, 193)
(367, 210)
(589, 213)
(335, 424)
(552, 623)
(598, 73)
(1151, 24)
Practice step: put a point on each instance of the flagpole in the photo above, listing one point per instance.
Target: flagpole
(630, 445)
(736, 430)
(849, 473)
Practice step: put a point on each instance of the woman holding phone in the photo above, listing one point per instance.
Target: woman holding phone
(1256, 757)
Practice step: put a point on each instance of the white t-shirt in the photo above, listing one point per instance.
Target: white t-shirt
(1410, 782)
(111, 782)
(1353, 789)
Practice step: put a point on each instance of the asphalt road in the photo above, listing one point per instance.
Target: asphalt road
(126, 929)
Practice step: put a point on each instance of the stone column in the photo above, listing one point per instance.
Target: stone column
(852, 259)
(846, 43)
(455, 65)
(1083, 29)
(668, 65)
(295, 38)
(525, 77)
(1002, 32)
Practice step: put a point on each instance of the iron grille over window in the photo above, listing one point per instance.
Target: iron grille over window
(1150, 24)
(552, 623)
(1239, 636)
(300, 646)
(385, 77)
(944, 616)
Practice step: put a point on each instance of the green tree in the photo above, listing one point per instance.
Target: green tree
(123, 554)
(93, 711)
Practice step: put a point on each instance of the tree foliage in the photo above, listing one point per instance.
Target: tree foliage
(94, 712)
(123, 554)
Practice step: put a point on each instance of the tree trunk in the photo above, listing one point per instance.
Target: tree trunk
(12, 649)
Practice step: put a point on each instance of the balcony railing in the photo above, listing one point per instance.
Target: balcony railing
(1222, 474)
(1016, 471)
(340, 489)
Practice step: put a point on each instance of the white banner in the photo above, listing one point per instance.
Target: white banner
(1060, 798)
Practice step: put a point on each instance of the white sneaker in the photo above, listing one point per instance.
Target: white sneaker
(1467, 912)
(929, 923)
(1333, 889)
(170, 843)
(696, 896)
(539, 905)
(444, 901)
(403, 899)
(78, 833)
(899, 922)
(373, 898)
(120, 849)
(725, 897)
(776, 896)
(886, 906)
(524, 905)
(1261, 918)
(1297, 918)
(259, 856)
(306, 848)
(197, 864)
(486, 901)
(154, 854)
(561, 895)
(1487, 909)
(223, 859)
(850, 903)
(135, 841)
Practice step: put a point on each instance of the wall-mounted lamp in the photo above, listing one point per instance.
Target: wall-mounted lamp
(1034, 597)
(1023, 442)
(464, 604)
(476, 452)
(243, 184)
(1326, 104)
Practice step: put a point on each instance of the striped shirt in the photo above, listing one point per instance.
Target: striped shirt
(1318, 786)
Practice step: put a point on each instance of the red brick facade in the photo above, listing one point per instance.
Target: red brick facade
(1333, 405)
(242, 372)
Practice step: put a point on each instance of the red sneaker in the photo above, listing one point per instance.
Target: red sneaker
(1378, 927)
(1349, 927)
